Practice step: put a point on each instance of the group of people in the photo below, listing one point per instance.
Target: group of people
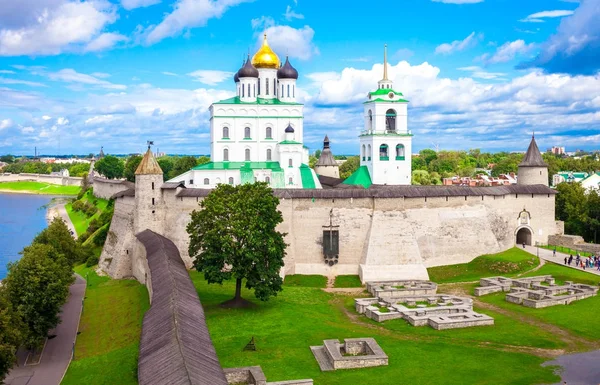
(592, 262)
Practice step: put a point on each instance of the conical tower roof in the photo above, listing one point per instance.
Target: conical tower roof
(326, 158)
(148, 165)
(533, 157)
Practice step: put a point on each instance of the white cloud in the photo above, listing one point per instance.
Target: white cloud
(23, 82)
(57, 29)
(320, 77)
(507, 52)
(104, 41)
(291, 15)
(27, 130)
(211, 77)
(132, 4)
(69, 75)
(285, 40)
(5, 123)
(46, 117)
(458, 1)
(7, 72)
(262, 22)
(62, 121)
(101, 119)
(479, 73)
(539, 16)
(459, 45)
(169, 73)
(101, 75)
(189, 14)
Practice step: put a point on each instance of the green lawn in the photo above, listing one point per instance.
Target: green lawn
(508, 263)
(565, 250)
(107, 349)
(39, 188)
(342, 281)
(80, 221)
(306, 280)
(299, 317)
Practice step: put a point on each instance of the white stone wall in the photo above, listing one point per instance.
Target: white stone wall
(106, 188)
(117, 254)
(44, 178)
(533, 175)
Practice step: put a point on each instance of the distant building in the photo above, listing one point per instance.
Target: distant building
(481, 180)
(557, 150)
(592, 182)
(64, 173)
(568, 176)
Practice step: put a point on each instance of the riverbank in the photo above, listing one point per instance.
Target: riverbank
(56, 208)
(37, 188)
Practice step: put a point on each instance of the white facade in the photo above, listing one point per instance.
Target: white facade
(592, 182)
(386, 142)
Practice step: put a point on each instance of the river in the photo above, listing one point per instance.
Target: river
(22, 216)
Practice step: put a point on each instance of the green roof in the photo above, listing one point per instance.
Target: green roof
(236, 100)
(274, 166)
(307, 177)
(289, 142)
(360, 177)
(385, 91)
(387, 101)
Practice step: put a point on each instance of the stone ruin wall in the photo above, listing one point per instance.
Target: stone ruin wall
(575, 242)
(430, 232)
(45, 178)
(106, 188)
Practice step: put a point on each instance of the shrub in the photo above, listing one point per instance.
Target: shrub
(101, 235)
(92, 260)
(78, 206)
(105, 217)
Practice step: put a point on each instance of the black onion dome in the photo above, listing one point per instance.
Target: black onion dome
(236, 78)
(248, 70)
(287, 71)
(289, 128)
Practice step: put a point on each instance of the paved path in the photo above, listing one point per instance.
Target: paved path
(59, 210)
(560, 258)
(57, 353)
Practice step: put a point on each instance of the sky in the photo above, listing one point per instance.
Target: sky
(76, 75)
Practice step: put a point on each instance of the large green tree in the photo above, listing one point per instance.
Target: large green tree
(571, 207)
(166, 165)
(37, 286)
(58, 235)
(11, 332)
(131, 165)
(110, 166)
(183, 164)
(234, 235)
(349, 166)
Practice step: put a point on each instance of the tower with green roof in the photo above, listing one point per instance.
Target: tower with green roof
(386, 142)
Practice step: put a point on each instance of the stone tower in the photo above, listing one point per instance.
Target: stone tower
(386, 142)
(326, 165)
(533, 169)
(148, 181)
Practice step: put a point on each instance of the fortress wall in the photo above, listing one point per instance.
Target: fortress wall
(50, 179)
(106, 188)
(117, 254)
(380, 232)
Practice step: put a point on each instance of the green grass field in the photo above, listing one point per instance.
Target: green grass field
(342, 281)
(508, 263)
(39, 188)
(565, 250)
(107, 349)
(80, 221)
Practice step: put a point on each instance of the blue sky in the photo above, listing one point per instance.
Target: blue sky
(77, 75)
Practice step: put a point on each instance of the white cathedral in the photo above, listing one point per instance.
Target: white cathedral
(257, 134)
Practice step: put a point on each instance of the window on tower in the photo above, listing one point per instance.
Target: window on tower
(268, 180)
(247, 133)
(390, 120)
(254, 90)
(282, 94)
(368, 152)
(243, 93)
(400, 152)
(370, 120)
(225, 155)
(269, 154)
(291, 181)
(364, 152)
(225, 132)
(269, 134)
(230, 180)
(383, 152)
(288, 90)
(274, 88)
(247, 155)
(248, 89)
(206, 181)
(290, 163)
(267, 86)
(259, 86)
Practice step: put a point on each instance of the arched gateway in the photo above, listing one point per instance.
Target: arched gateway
(524, 236)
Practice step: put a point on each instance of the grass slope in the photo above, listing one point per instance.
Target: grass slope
(507, 263)
(107, 349)
(80, 221)
(39, 188)
(342, 281)
(299, 317)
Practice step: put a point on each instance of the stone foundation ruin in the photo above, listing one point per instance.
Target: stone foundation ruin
(253, 375)
(418, 304)
(536, 292)
(353, 353)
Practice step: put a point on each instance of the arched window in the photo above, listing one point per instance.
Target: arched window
(230, 180)
(390, 120)
(400, 152)
(364, 152)
(294, 91)
(288, 89)
(269, 134)
(247, 155)
(368, 152)
(383, 152)
(247, 133)
(225, 132)
(291, 181)
(370, 120)
(268, 180)
(267, 86)
(225, 155)
(274, 88)
(282, 94)
(268, 154)
(259, 86)
(254, 90)
(290, 163)
(248, 89)
(206, 181)
(243, 93)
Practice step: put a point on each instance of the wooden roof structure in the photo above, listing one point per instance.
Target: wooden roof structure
(175, 348)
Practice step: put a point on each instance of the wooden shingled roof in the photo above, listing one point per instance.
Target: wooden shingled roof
(175, 348)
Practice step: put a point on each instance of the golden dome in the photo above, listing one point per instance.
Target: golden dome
(265, 57)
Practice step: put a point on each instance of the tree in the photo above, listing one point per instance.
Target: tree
(78, 169)
(571, 207)
(203, 160)
(234, 235)
(317, 154)
(110, 166)
(7, 158)
(58, 236)
(37, 286)
(11, 332)
(349, 166)
(131, 165)
(183, 164)
(421, 177)
(166, 164)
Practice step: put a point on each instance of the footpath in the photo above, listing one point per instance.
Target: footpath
(60, 211)
(57, 353)
(548, 255)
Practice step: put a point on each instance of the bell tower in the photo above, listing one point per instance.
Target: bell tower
(386, 142)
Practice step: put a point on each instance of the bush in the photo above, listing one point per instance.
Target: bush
(92, 260)
(78, 205)
(101, 235)
(89, 209)
(105, 217)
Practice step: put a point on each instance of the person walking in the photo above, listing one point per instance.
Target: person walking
(523, 244)
(565, 260)
(554, 252)
(570, 259)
